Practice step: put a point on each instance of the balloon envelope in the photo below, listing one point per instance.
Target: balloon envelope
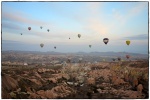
(105, 40)
(90, 46)
(29, 28)
(127, 56)
(41, 45)
(119, 58)
(128, 42)
(113, 59)
(79, 35)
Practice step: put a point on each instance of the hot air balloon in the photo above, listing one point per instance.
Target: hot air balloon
(90, 46)
(41, 45)
(105, 40)
(21, 33)
(48, 30)
(119, 58)
(127, 56)
(29, 28)
(128, 42)
(41, 27)
(103, 59)
(55, 47)
(113, 59)
(79, 35)
(69, 38)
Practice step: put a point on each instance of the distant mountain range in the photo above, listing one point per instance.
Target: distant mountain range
(116, 54)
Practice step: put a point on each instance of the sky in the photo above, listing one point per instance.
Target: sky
(118, 21)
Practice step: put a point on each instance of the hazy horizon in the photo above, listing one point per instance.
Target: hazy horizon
(73, 52)
(118, 21)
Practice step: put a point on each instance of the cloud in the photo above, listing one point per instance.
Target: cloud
(138, 37)
(10, 41)
(93, 7)
(87, 15)
(17, 45)
(91, 20)
(21, 18)
(139, 8)
(10, 25)
(130, 12)
(19, 21)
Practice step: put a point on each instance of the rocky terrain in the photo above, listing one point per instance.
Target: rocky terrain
(101, 80)
(47, 57)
